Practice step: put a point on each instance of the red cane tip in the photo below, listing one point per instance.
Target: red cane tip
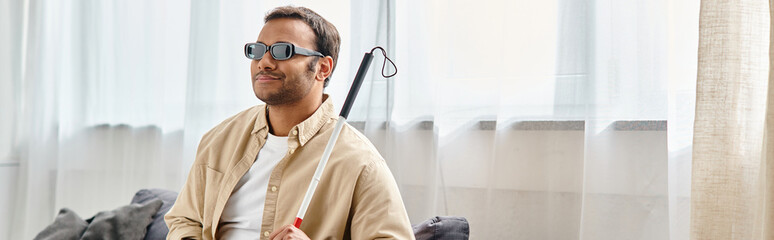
(297, 223)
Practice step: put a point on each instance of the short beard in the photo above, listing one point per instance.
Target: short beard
(293, 91)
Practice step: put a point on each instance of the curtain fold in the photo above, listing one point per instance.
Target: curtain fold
(682, 47)
(767, 163)
(11, 26)
(731, 177)
(38, 149)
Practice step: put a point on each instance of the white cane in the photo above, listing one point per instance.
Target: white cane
(361, 72)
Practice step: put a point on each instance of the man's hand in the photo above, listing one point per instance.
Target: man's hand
(288, 232)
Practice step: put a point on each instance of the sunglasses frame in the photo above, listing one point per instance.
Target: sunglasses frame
(293, 51)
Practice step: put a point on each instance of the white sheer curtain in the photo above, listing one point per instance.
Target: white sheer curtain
(109, 97)
(546, 119)
(102, 102)
(532, 119)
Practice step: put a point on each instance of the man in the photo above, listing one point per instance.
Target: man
(252, 170)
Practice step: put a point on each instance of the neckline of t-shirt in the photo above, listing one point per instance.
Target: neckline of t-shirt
(273, 140)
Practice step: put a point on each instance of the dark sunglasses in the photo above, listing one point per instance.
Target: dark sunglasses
(279, 51)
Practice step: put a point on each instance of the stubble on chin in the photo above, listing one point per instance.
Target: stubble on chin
(289, 92)
(293, 87)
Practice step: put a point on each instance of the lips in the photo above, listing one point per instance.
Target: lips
(265, 78)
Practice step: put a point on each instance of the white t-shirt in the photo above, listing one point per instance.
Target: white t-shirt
(243, 213)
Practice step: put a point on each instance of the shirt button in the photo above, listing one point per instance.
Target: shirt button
(273, 188)
(295, 132)
(266, 233)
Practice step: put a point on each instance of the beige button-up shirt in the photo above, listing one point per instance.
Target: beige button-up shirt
(357, 197)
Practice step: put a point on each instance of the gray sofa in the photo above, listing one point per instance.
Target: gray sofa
(144, 219)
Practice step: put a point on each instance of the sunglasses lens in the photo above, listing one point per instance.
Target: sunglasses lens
(255, 50)
(282, 51)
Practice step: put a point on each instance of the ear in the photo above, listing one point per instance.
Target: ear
(325, 68)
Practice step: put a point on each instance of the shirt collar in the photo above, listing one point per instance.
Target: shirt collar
(304, 130)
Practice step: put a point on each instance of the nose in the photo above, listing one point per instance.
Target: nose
(266, 62)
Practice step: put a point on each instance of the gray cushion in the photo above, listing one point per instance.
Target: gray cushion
(127, 222)
(67, 225)
(443, 228)
(157, 230)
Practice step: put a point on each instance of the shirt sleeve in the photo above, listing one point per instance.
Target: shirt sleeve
(378, 210)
